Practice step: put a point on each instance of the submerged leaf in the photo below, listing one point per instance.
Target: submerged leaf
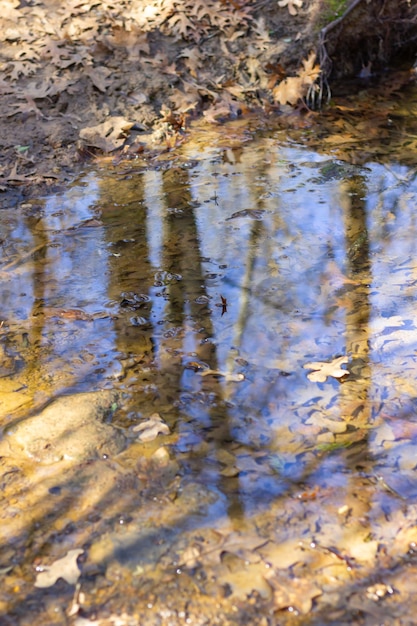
(65, 568)
(295, 593)
(151, 428)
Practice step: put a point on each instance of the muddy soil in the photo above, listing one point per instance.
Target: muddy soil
(124, 77)
(85, 78)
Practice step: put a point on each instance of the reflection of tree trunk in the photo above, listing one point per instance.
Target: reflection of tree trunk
(355, 401)
(252, 253)
(35, 369)
(179, 322)
(182, 256)
(129, 263)
(354, 394)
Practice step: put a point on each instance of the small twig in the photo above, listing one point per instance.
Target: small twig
(22, 259)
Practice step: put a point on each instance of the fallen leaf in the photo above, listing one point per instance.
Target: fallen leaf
(324, 369)
(107, 136)
(99, 77)
(151, 428)
(289, 91)
(295, 593)
(294, 88)
(255, 214)
(65, 568)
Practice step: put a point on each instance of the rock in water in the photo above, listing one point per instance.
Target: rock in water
(70, 428)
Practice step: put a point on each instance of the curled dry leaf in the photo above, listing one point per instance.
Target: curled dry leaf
(229, 376)
(323, 369)
(292, 5)
(65, 568)
(292, 89)
(107, 136)
(151, 428)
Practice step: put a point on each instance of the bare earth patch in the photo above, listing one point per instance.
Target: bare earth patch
(85, 77)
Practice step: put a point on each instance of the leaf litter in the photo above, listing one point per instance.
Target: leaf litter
(71, 73)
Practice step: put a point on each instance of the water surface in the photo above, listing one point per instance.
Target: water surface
(211, 289)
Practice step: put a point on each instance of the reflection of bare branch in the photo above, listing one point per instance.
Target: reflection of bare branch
(21, 259)
(245, 292)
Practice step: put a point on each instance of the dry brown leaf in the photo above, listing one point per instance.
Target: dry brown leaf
(14, 177)
(294, 88)
(311, 70)
(292, 5)
(284, 554)
(289, 91)
(186, 100)
(26, 108)
(181, 26)
(243, 578)
(134, 40)
(296, 593)
(99, 76)
(107, 136)
(192, 60)
(21, 68)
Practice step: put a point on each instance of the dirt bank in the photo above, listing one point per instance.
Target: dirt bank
(81, 78)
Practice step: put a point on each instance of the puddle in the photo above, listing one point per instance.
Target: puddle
(254, 300)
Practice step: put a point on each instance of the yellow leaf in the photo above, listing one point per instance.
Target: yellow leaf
(292, 89)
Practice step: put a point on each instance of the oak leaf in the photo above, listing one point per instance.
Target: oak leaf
(292, 89)
(181, 26)
(323, 369)
(107, 136)
(151, 428)
(296, 593)
(65, 568)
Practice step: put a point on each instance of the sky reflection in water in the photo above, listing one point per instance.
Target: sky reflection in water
(315, 258)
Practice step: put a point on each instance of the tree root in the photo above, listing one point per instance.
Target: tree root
(369, 37)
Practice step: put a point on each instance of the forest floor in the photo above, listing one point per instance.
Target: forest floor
(124, 76)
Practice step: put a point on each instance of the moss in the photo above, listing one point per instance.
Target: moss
(330, 10)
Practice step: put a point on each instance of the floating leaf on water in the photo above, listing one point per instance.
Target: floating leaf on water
(138, 320)
(255, 214)
(229, 376)
(322, 369)
(134, 300)
(196, 366)
(66, 568)
(202, 300)
(163, 277)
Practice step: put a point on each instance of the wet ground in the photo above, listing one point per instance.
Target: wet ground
(209, 381)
